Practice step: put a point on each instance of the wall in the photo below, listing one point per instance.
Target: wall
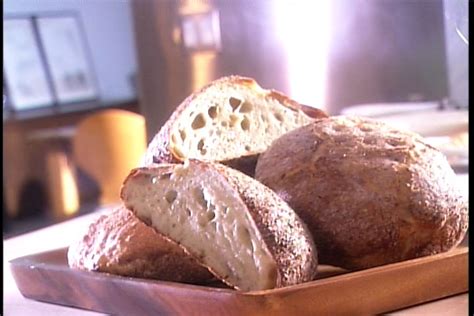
(386, 51)
(456, 15)
(380, 51)
(109, 33)
(167, 72)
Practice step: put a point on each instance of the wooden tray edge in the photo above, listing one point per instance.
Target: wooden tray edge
(370, 291)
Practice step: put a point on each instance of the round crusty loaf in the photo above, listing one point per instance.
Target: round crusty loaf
(119, 243)
(238, 228)
(370, 194)
(231, 120)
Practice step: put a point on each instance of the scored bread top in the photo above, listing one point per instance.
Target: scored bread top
(231, 117)
(370, 194)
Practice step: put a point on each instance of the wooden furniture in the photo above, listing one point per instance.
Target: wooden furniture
(64, 195)
(106, 145)
(28, 137)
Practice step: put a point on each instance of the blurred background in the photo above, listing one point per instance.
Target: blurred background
(86, 84)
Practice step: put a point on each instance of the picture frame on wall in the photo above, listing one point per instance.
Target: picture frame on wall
(67, 58)
(26, 77)
(201, 31)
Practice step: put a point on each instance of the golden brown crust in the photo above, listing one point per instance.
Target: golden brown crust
(159, 151)
(370, 194)
(119, 243)
(284, 233)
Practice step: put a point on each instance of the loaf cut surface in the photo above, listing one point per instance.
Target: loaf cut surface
(369, 193)
(241, 230)
(119, 243)
(230, 120)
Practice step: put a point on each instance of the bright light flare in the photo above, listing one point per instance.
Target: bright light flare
(303, 26)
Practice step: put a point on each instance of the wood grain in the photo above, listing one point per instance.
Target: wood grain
(46, 277)
(107, 145)
(24, 159)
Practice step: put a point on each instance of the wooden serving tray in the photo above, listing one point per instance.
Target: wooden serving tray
(46, 277)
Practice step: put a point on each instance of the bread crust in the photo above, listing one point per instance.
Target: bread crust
(119, 243)
(284, 234)
(370, 194)
(291, 244)
(160, 151)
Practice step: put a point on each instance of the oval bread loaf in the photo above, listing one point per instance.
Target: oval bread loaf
(238, 228)
(119, 243)
(370, 194)
(231, 120)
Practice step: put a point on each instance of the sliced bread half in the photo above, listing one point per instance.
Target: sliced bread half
(231, 120)
(119, 243)
(238, 228)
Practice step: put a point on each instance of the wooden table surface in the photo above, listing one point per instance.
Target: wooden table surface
(61, 235)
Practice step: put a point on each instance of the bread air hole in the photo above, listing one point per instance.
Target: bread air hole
(233, 120)
(198, 122)
(205, 218)
(182, 134)
(247, 147)
(243, 235)
(234, 103)
(165, 176)
(213, 226)
(278, 116)
(199, 196)
(245, 107)
(245, 124)
(212, 112)
(170, 196)
(200, 147)
(395, 142)
(210, 215)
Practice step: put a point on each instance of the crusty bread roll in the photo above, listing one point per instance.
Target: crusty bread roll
(119, 243)
(241, 230)
(231, 120)
(370, 194)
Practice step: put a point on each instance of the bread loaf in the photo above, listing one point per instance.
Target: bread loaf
(119, 243)
(241, 230)
(231, 120)
(370, 194)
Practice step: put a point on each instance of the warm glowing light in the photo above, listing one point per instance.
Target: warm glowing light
(64, 193)
(304, 30)
(70, 195)
(203, 66)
